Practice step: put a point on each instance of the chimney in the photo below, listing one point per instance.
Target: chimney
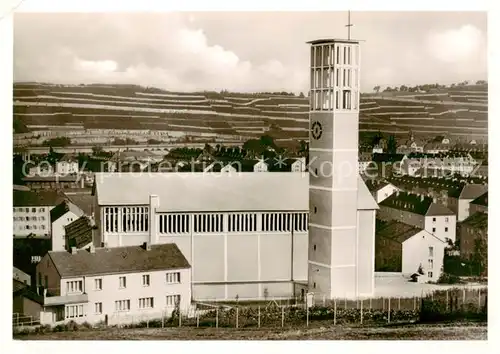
(92, 249)
(73, 250)
(154, 202)
(422, 197)
(434, 200)
(146, 246)
(397, 193)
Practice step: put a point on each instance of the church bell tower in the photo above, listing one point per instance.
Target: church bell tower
(333, 155)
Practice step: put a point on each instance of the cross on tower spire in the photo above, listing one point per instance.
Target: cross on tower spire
(349, 25)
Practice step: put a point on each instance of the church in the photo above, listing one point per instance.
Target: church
(263, 235)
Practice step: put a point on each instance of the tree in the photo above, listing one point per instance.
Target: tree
(97, 150)
(392, 145)
(376, 88)
(376, 138)
(301, 95)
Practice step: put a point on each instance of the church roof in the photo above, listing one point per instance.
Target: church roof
(365, 198)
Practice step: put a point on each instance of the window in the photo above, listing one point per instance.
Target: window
(174, 223)
(431, 263)
(446, 219)
(314, 247)
(42, 227)
(433, 219)
(314, 285)
(346, 99)
(173, 300)
(431, 251)
(315, 210)
(73, 311)
(122, 305)
(74, 286)
(41, 218)
(133, 219)
(27, 210)
(173, 278)
(98, 284)
(433, 230)
(146, 303)
(145, 280)
(98, 308)
(429, 274)
(41, 210)
(33, 210)
(123, 282)
(445, 229)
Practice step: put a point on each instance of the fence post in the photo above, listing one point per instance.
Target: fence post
(162, 319)
(383, 304)
(259, 317)
(324, 300)
(399, 303)
(447, 300)
(147, 323)
(361, 308)
(197, 318)
(307, 316)
(389, 311)
(370, 303)
(479, 300)
(414, 303)
(180, 318)
(463, 297)
(237, 315)
(345, 303)
(334, 311)
(282, 316)
(217, 317)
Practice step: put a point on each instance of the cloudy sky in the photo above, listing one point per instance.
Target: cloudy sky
(244, 51)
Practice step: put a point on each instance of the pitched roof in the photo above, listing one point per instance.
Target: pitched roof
(130, 259)
(396, 231)
(17, 285)
(62, 208)
(79, 232)
(472, 191)
(36, 198)
(375, 184)
(418, 204)
(207, 191)
(84, 201)
(68, 158)
(481, 200)
(477, 220)
(388, 157)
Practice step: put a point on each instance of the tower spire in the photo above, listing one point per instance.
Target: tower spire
(349, 25)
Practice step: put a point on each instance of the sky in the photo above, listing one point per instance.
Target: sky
(244, 51)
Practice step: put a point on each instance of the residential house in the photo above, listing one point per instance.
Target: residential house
(381, 189)
(410, 145)
(42, 169)
(63, 214)
(438, 146)
(474, 237)
(459, 198)
(26, 305)
(260, 166)
(377, 149)
(404, 248)
(480, 204)
(32, 212)
(55, 182)
(114, 285)
(299, 165)
(420, 211)
(67, 165)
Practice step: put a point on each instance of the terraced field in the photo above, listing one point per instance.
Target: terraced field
(455, 111)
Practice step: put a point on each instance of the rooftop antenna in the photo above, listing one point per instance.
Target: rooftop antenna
(349, 25)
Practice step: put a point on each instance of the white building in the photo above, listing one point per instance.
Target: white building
(381, 190)
(342, 222)
(408, 249)
(468, 193)
(245, 234)
(299, 165)
(67, 165)
(60, 216)
(32, 212)
(114, 285)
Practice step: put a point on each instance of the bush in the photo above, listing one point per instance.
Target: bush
(447, 278)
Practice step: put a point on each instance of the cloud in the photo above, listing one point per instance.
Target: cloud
(455, 45)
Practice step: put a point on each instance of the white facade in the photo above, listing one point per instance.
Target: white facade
(442, 226)
(260, 166)
(32, 220)
(244, 234)
(121, 301)
(66, 167)
(335, 263)
(58, 232)
(425, 250)
(385, 192)
(299, 165)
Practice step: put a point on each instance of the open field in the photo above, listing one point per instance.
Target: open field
(326, 332)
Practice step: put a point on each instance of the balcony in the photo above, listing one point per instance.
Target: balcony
(65, 300)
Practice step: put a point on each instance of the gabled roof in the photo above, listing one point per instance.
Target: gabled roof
(63, 208)
(84, 201)
(38, 198)
(473, 191)
(68, 158)
(418, 204)
(388, 157)
(438, 210)
(481, 200)
(477, 220)
(79, 232)
(374, 185)
(396, 231)
(17, 285)
(116, 260)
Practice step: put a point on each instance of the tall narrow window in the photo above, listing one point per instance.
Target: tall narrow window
(346, 99)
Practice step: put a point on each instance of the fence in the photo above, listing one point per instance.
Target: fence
(439, 305)
(20, 320)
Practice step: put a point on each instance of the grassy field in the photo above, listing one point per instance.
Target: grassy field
(408, 332)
